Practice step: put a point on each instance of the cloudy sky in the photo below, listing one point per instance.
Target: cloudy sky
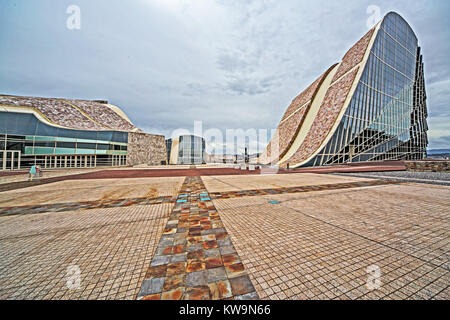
(230, 63)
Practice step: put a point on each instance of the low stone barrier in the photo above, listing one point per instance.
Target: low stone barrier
(428, 165)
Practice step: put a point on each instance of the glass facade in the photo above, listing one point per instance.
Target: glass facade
(386, 117)
(25, 139)
(168, 149)
(191, 150)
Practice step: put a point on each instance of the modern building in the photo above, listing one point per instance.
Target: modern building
(369, 107)
(55, 133)
(186, 149)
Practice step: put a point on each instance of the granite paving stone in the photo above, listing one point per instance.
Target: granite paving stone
(190, 252)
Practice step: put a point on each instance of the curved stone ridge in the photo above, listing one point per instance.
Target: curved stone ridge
(326, 117)
(354, 55)
(55, 110)
(268, 155)
(66, 113)
(289, 128)
(102, 114)
(303, 97)
(291, 123)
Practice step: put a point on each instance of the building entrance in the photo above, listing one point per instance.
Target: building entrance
(10, 159)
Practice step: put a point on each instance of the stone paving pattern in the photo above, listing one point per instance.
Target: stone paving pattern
(111, 247)
(319, 245)
(288, 245)
(94, 191)
(122, 202)
(273, 181)
(249, 193)
(440, 178)
(195, 258)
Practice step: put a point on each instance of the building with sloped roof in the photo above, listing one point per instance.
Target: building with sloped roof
(68, 133)
(371, 106)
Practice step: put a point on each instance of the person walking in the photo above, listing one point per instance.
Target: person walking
(32, 172)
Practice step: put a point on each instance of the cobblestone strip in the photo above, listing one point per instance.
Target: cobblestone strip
(195, 259)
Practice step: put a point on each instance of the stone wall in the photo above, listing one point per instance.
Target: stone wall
(144, 148)
(328, 112)
(428, 166)
(354, 55)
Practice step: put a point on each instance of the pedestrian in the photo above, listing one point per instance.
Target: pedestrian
(32, 172)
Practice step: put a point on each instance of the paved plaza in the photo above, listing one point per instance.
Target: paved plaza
(224, 236)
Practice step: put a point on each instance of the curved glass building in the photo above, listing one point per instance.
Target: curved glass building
(369, 107)
(186, 149)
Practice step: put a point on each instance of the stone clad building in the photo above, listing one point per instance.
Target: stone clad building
(144, 148)
(67, 133)
(369, 107)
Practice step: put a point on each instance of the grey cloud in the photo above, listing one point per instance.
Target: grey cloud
(230, 63)
(440, 142)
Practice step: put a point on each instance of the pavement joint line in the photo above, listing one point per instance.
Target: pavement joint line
(224, 182)
(339, 191)
(57, 231)
(404, 286)
(400, 179)
(404, 275)
(362, 236)
(195, 258)
(114, 203)
(299, 189)
(328, 192)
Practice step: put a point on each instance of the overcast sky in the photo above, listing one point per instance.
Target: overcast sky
(230, 63)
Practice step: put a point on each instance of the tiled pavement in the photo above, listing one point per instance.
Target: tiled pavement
(320, 245)
(273, 181)
(110, 247)
(316, 244)
(336, 186)
(83, 205)
(114, 203)
(195, 258)
(91, 191)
